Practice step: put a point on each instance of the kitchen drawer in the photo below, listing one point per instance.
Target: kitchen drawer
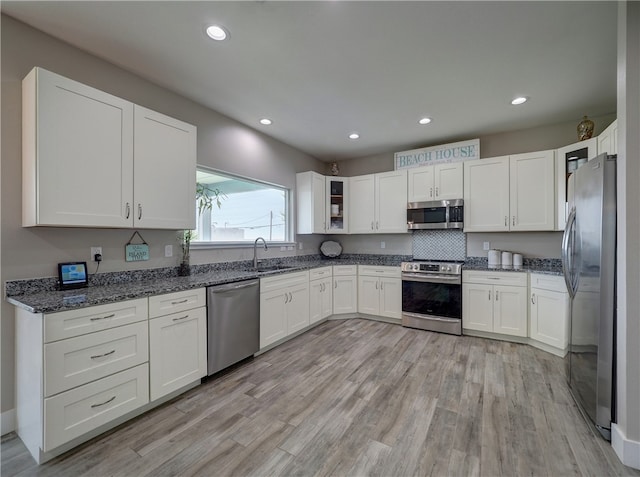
(342, 270)
(67, 324)
(377, 271)
(80, 410)
(283, 281)
(160, 305)
(548, 282)
(518, 279)
(322, 272)
(76, 361)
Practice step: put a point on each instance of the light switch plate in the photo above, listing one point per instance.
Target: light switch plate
(486, 245)
(168, 250)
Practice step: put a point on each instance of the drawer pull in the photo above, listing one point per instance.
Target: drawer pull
(103, 355)
(103, 403)
(181, 301)
(181, 318)
(102, 317)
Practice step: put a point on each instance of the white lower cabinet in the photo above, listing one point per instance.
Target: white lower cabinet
(320, 294)
(495, 302)
(549, 312)
(379, 291)
(345, 289)
(177, 350)
(78, 370)
(284, 306)
(70, 414)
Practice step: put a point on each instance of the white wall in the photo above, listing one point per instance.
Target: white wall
(626, 434)
(222, 144)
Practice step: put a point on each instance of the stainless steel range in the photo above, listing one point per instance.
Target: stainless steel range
(432, 296)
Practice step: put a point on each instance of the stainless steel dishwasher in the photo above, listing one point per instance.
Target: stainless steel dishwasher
(233, 323)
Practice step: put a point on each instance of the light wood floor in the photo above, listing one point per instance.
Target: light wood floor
(357, 397)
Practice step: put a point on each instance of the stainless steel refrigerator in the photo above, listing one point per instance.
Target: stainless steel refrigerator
(589, 266)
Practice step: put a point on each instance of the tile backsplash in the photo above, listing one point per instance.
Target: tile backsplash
(439, 245)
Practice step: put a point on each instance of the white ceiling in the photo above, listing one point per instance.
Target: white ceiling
(321, 70)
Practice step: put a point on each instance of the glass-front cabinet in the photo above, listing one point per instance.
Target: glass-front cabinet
(336, 205)
(568, 159)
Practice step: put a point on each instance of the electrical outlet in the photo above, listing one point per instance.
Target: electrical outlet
(383, 245)
(95, 251)
(486, 245)
(168, 250)
(289, 248)
(300, 246)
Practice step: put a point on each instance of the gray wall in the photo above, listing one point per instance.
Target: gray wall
(222, 144)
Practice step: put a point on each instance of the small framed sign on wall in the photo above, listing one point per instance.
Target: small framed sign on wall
(136, 252)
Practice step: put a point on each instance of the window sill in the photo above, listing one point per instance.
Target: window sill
(221, 245)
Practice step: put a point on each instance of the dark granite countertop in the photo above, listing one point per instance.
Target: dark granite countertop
(42, 296)
(542, 266)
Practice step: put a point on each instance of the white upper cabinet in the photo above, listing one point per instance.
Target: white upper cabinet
(164, 171)
(391, 202)
(321, 204)
(310, 193)
(486, 195)
(438, 182)
(532, 191)
(86, 152)
(510, 193)
(77, 148)
(608, 139)
(362, 204)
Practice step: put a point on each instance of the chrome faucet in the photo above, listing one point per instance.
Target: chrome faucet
(255, 251)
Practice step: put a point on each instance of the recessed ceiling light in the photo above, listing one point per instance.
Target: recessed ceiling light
(216, 32)
(519, 100)
(425, 121)
(354, 135)
(266, 121)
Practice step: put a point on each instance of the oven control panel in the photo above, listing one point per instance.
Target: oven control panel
(431, 267)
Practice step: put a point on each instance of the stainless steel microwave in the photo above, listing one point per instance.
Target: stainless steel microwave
(435, 214)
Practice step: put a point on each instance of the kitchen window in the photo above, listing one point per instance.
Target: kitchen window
(234, 210)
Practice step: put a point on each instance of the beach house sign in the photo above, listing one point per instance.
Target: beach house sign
(454, 152)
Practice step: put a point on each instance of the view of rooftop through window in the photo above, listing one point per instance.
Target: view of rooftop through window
(240, 210)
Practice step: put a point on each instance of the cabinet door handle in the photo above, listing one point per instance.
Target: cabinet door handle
(437, 193)
(489, 295)
(533, 298)
(514, 220)
(376, 284)
(290, 297)
(372, 226)
(286, 298)
(128, 210)
(431, 192)
(139, 211)
(102, 317)
(506, 220)
(181, 318)
(335, 284)
(181, 301)
(103, 355)
(377, 225)
(381, 285)
(103, 403)
(496, 295)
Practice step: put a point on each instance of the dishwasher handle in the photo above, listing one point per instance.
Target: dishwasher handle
(233, 286)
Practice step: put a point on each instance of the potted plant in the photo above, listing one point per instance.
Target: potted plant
(205, 198)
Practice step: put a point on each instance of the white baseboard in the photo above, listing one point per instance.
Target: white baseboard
(7, 422)
(628, 451)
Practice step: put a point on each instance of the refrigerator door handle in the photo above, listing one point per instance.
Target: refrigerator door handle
(568, 244)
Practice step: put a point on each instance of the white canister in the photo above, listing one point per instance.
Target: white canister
(494, 258)
(517, 259)
(507, 259)
(335, 209)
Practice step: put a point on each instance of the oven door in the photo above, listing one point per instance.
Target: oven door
(432, 302)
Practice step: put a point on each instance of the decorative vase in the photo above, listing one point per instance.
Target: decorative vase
(335, 169)
(184, 270)
(585, 129)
